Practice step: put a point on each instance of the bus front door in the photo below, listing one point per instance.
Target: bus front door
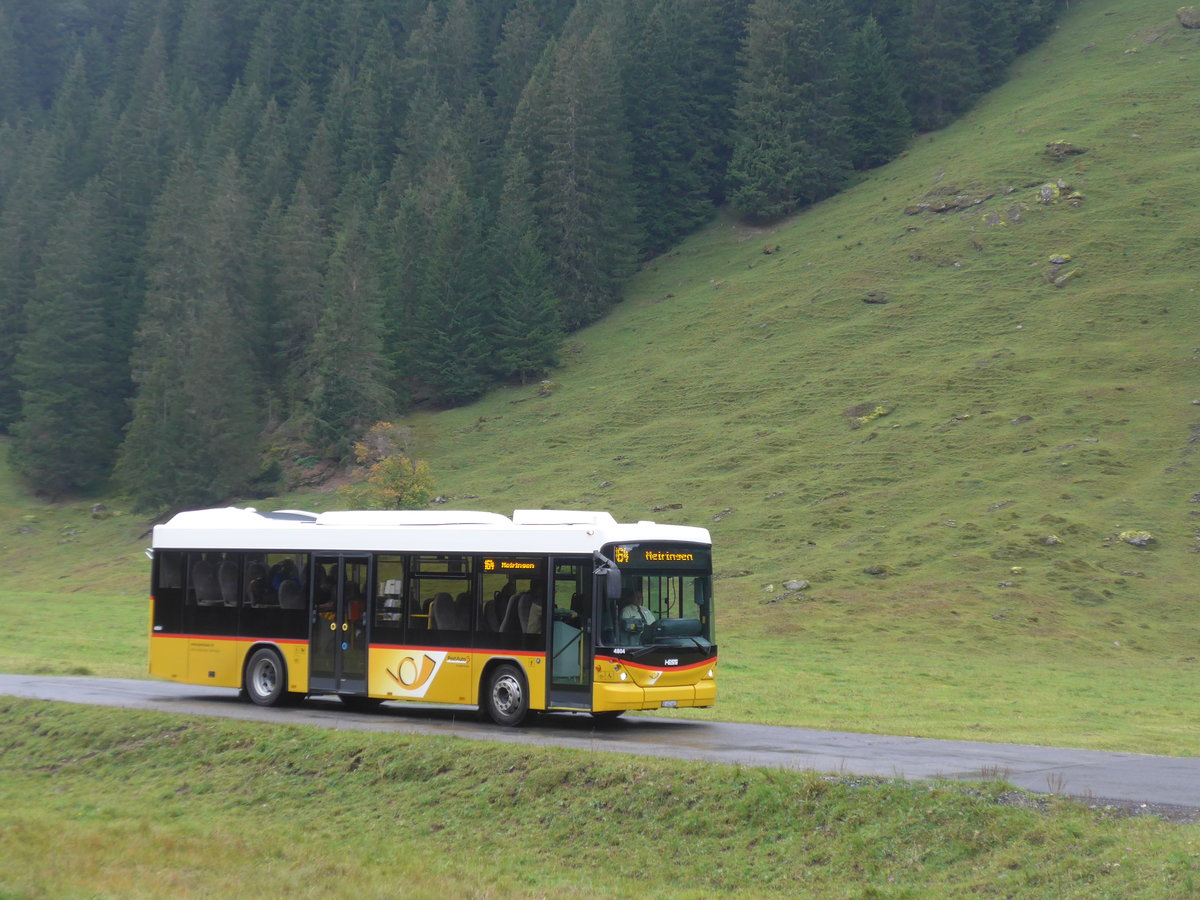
(569, 640)
(338, 637)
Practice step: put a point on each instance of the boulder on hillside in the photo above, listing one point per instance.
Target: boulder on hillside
(1063, 149)
(1188, 17)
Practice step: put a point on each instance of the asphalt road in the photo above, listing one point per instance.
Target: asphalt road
(1167, 785)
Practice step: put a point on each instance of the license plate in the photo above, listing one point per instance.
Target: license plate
(670, 704)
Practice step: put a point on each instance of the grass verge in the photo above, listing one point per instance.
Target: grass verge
(141, 804)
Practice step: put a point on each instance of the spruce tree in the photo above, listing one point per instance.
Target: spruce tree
(10, 70)
(879, 124)
(586, 205)
(789, 145)
(31, 206)
(297, 262)
(193, 438)
(523, 41)
(679, 95)
(69, 369)
(348, 389)
(401, 246)
(524, 322)
(943, 74)
(144, 142)
(450, 318)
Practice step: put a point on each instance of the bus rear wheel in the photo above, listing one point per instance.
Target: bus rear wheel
(266, 678)
(506, 697)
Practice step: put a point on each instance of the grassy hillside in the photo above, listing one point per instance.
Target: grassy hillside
(950, 470)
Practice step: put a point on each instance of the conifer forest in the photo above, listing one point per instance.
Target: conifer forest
(228, 223)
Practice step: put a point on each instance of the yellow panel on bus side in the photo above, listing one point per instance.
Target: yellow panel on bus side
(169, 657)
(216, 662)
(418, 673)
(295, 654)
(445, 676)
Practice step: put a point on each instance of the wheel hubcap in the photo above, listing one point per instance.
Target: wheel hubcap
(265, 679)
(506, 695)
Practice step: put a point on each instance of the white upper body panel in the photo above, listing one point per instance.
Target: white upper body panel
(402, 531)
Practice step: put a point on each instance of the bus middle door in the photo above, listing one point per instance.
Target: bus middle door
(338, 638)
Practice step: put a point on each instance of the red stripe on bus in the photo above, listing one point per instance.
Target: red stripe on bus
(634, 665)
(471, 650)
(229, 637)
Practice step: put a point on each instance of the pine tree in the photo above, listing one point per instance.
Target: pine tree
(879, 123)
(401, 246)
(789, 141)
(296, 262)
(265, 65)
(460, 53)
(201, 56)
(943, 74)
(449, 320)
(349, 389)
(138, 160)
(586, 205)
(524, 39)
(674, 108)
(70, 123)
(269, 171)
(320, 172)
(31, 206)
(524, 324)
(193, 438)
(10, 69)
(69, 369)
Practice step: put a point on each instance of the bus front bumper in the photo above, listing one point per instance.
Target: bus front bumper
(631, 696)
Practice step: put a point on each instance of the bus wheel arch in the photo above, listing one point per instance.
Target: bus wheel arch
(504, 693)
(265, 678)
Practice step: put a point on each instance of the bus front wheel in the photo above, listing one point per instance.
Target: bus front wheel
(506, 697)
(266, 678)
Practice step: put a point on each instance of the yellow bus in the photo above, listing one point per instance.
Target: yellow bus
(548, 610)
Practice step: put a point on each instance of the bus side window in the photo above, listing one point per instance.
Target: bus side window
(389, 599)
(168, 592)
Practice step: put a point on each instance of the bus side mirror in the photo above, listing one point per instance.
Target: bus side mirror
(612, 584)
(612, 575)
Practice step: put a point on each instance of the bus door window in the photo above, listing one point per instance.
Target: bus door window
(354, 593)
(571, 617)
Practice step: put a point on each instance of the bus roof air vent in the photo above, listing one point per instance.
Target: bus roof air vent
(561, 517)
(388, 518)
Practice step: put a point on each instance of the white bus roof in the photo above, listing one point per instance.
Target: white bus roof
(427, 531)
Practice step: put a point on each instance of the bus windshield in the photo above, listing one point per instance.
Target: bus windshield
(662, 609)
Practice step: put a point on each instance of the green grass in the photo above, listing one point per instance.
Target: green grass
(94, 804)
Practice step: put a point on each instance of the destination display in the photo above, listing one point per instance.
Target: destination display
(492, 564)
(662, 556)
